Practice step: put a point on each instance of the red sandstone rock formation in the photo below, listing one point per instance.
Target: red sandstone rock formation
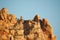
(13, 29)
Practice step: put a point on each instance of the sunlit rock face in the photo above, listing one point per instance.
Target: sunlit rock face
(12, 28)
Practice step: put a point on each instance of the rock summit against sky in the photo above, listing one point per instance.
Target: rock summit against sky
(12, 28)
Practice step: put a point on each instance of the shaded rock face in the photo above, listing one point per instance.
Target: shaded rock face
(13, 29)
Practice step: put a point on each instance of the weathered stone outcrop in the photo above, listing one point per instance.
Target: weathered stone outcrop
(13, 29)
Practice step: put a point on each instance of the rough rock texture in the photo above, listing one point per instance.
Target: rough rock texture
(12, 28)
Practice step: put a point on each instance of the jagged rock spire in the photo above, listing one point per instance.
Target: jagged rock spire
(3, 13)
(44, 21)
(36, 18)
(5, 10)
(21, 18)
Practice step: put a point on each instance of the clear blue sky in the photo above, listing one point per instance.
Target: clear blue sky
(49, 9)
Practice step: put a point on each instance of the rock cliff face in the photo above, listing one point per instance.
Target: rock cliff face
(13, 29)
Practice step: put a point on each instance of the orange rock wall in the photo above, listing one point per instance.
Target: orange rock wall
(12, 28)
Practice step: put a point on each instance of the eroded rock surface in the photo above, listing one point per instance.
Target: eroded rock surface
(12, 28)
